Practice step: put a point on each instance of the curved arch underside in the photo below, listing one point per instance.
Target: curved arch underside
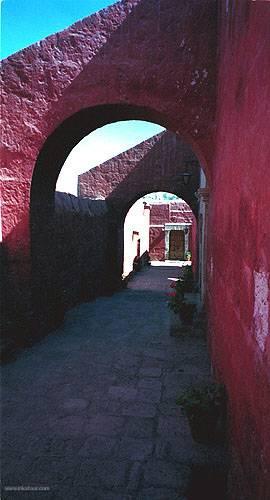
(157, 61)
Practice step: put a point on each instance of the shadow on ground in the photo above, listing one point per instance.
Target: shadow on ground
(90, 411)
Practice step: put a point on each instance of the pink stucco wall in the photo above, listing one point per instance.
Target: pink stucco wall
(239, 242)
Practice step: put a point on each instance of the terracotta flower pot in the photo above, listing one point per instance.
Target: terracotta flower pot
(207, 426)
(206, 410)
(186, 313)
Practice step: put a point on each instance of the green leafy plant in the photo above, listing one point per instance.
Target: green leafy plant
(178, 304)
(202, 397)
(188, 255)
(205, 407)
(176, 297)
(187, 279)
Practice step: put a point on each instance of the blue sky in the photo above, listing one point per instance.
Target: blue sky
(102, 144)
(25, 22)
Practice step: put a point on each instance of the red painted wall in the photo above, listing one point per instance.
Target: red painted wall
(239, 242)
(156, 243)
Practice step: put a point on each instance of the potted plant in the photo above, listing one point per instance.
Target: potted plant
(187, 279)
(205, 408)
(176, 297)
(184, 310)
(188, 255)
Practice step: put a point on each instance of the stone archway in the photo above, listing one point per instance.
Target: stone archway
(149, 165)
(162, 69)
(173, 155)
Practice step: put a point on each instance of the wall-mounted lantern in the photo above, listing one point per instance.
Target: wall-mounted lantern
(183, 177)
(186, 176)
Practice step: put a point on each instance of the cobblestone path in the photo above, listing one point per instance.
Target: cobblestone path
(90, 413)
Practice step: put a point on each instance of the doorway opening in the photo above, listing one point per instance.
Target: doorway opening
(177, 246)
(159, 227)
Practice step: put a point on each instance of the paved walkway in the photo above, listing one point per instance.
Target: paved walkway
(90, 412)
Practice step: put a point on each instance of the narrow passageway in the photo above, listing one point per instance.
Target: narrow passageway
(90, 412)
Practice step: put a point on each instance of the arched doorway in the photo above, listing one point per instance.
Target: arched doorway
(46, 275)
(156, 220)
(67, 102)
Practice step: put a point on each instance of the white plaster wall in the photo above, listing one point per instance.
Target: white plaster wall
(137, 219)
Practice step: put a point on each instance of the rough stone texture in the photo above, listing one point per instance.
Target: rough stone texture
(61, 428)
(239, 201)
(148, 167)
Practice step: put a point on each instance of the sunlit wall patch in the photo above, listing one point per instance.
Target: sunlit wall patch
(261, 307)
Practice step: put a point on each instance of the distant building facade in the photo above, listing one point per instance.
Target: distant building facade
(165, 231)
(172, 231)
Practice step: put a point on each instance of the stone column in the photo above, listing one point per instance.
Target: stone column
(167, 244)
(186, 233)
(202, 195)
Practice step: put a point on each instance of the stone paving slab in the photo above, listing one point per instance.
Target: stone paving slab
(90, 411)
